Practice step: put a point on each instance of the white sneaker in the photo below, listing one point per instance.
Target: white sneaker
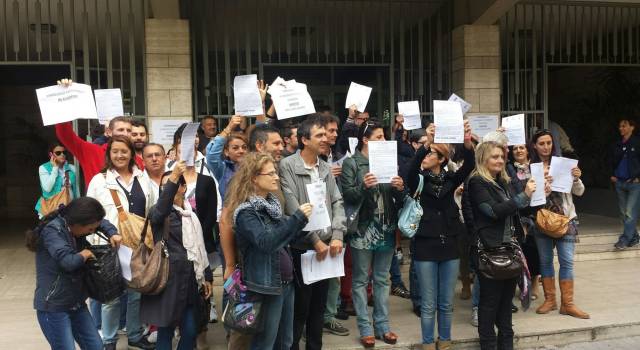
(474, 316)
(153, 337)
(213, 316)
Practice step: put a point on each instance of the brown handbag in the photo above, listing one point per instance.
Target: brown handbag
(54, 202)
(150, 267)
(130, 226)
(551, 223)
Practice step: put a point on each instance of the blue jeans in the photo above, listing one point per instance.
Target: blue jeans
(63, 328)
(188, 332)
(414, 286)
(378, 261)
(629, 204)
(396, 275)
(95, 308)
(278, 321)
(437, 284)
(111, 318)
(332, 300)
(475, 291)
(565, 250)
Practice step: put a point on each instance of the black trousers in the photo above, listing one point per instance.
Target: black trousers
(495, 310)
(310, 302)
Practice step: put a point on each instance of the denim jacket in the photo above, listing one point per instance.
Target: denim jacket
(59, 267)
(259, 239)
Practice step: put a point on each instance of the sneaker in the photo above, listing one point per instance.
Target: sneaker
(335, 327)
(634, 242)
(153, 337)
(110, 346)
(620, 246)
(416, 311)
(474, 316)
(142, 344)
(514, 308)
(401, 291)
(213, 315)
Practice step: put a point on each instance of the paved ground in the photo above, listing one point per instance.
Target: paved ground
(630, 343)
(607, 289)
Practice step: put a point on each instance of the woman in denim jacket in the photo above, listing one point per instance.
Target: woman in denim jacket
(263, 234)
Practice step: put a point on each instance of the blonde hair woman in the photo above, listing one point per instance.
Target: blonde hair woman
(495, 208)
(262, 236)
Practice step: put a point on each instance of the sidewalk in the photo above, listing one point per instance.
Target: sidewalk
(607, 289)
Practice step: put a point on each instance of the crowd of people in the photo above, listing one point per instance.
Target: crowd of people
(244, 205)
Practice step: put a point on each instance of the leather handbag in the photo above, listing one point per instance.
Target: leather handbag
(130, 226)
(54, 202)
(150, 267)
(502, 262)
(551, 223)
(411, 212)
(243, 312)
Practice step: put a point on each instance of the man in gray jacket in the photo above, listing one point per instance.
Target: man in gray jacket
(296, 171)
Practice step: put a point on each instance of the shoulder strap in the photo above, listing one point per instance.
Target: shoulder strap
(420, 186)
(116, 200)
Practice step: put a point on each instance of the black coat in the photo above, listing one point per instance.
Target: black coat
(166, 309)
(494, 209)
(632, 150)
(206, 210)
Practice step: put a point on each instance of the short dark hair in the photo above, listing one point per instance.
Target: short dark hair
(153, 144)
(260, 133)
(112, 122)
(55, 144)
(208, 117)
(416, 135)
(139, 124)
(328, 119)
(324, 108)
(127, 141)
(629, 121)
(304, 130)
(288, 131)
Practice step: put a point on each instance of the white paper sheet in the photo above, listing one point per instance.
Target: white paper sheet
(353, 143)
(319, 218)
(410, 111)
(124, 255)
(108, 104)
(560, 172)
(383, 160)
(246, 96)
(60, 104)
(187, 143)
(358, 95)
(466, 106)
(314, 270)
(447, 117)
(162, 130)
(290, 98)
(537, 173)
(483, 124)
(514, 129)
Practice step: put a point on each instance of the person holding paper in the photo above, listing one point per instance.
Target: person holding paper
(494, 206)
(350, 128)
(190, 277)
(61, 249)
(625, 170)
(225, 152)
(296, 172)
(91, 156)
(372, 242)
(542, 150)
(55, 175)
(263, 234)
(436, 243)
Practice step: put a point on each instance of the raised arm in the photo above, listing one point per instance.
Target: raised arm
(269, 238)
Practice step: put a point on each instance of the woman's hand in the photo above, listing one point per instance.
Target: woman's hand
(53, 160)
(177, 171)
(207, 289)
(228, 270)
(353, 112)
(397, 183)
(577, 173)
(306, 209)
(262, 87)
(87, 254)
(431, 133)
(115, 241)
(234, 122)
(467, 136)
(530, 187)
(370, 180)
(65, 82)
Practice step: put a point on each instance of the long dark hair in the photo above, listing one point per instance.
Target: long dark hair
(366, 130)
(533, 154)
(81, 211)
(108, 164)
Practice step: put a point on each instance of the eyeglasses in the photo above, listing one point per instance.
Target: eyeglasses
(270, 174)
(57, 153)
(430, 152)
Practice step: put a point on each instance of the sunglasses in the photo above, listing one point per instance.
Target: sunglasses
(57, 153)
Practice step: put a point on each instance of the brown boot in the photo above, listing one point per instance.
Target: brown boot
(549, 287)
(444, 344)
(567, 306)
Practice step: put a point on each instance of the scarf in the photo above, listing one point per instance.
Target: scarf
(270, 205)
(522, 171)
(436, 181)
(193, 241)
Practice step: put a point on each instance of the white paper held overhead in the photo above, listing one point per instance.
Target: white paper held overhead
(448, 121)
(246, 96)
(59, 104)
(108, 104)
(187, 143)
(358, 95)
(162, 130)
(290, 98)
(410, 111)
(466, 106)
(514, 129)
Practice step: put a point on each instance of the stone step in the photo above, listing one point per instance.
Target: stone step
(600, 238)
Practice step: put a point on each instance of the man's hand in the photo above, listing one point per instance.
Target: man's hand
(335, 247)
(397, 183)
(370, 180)
(336, 170)
(262, 87)
(65, 82)
(115, 241)
(353, 112)
(577, 173)
(321, 250)
(206, 289)
(614, 179)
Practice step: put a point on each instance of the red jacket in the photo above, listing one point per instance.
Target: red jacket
(90, 156)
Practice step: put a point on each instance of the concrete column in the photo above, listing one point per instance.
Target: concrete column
(168, 61)
(476, 67)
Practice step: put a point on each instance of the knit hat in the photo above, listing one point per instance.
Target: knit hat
(442, 149)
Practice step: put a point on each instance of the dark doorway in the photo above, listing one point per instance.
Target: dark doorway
(23, 139)
(588, 101)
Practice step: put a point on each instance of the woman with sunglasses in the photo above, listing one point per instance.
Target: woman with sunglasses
(225, 152)
(55, 175)
(541, 150)
(436, 242)
(180, 303)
